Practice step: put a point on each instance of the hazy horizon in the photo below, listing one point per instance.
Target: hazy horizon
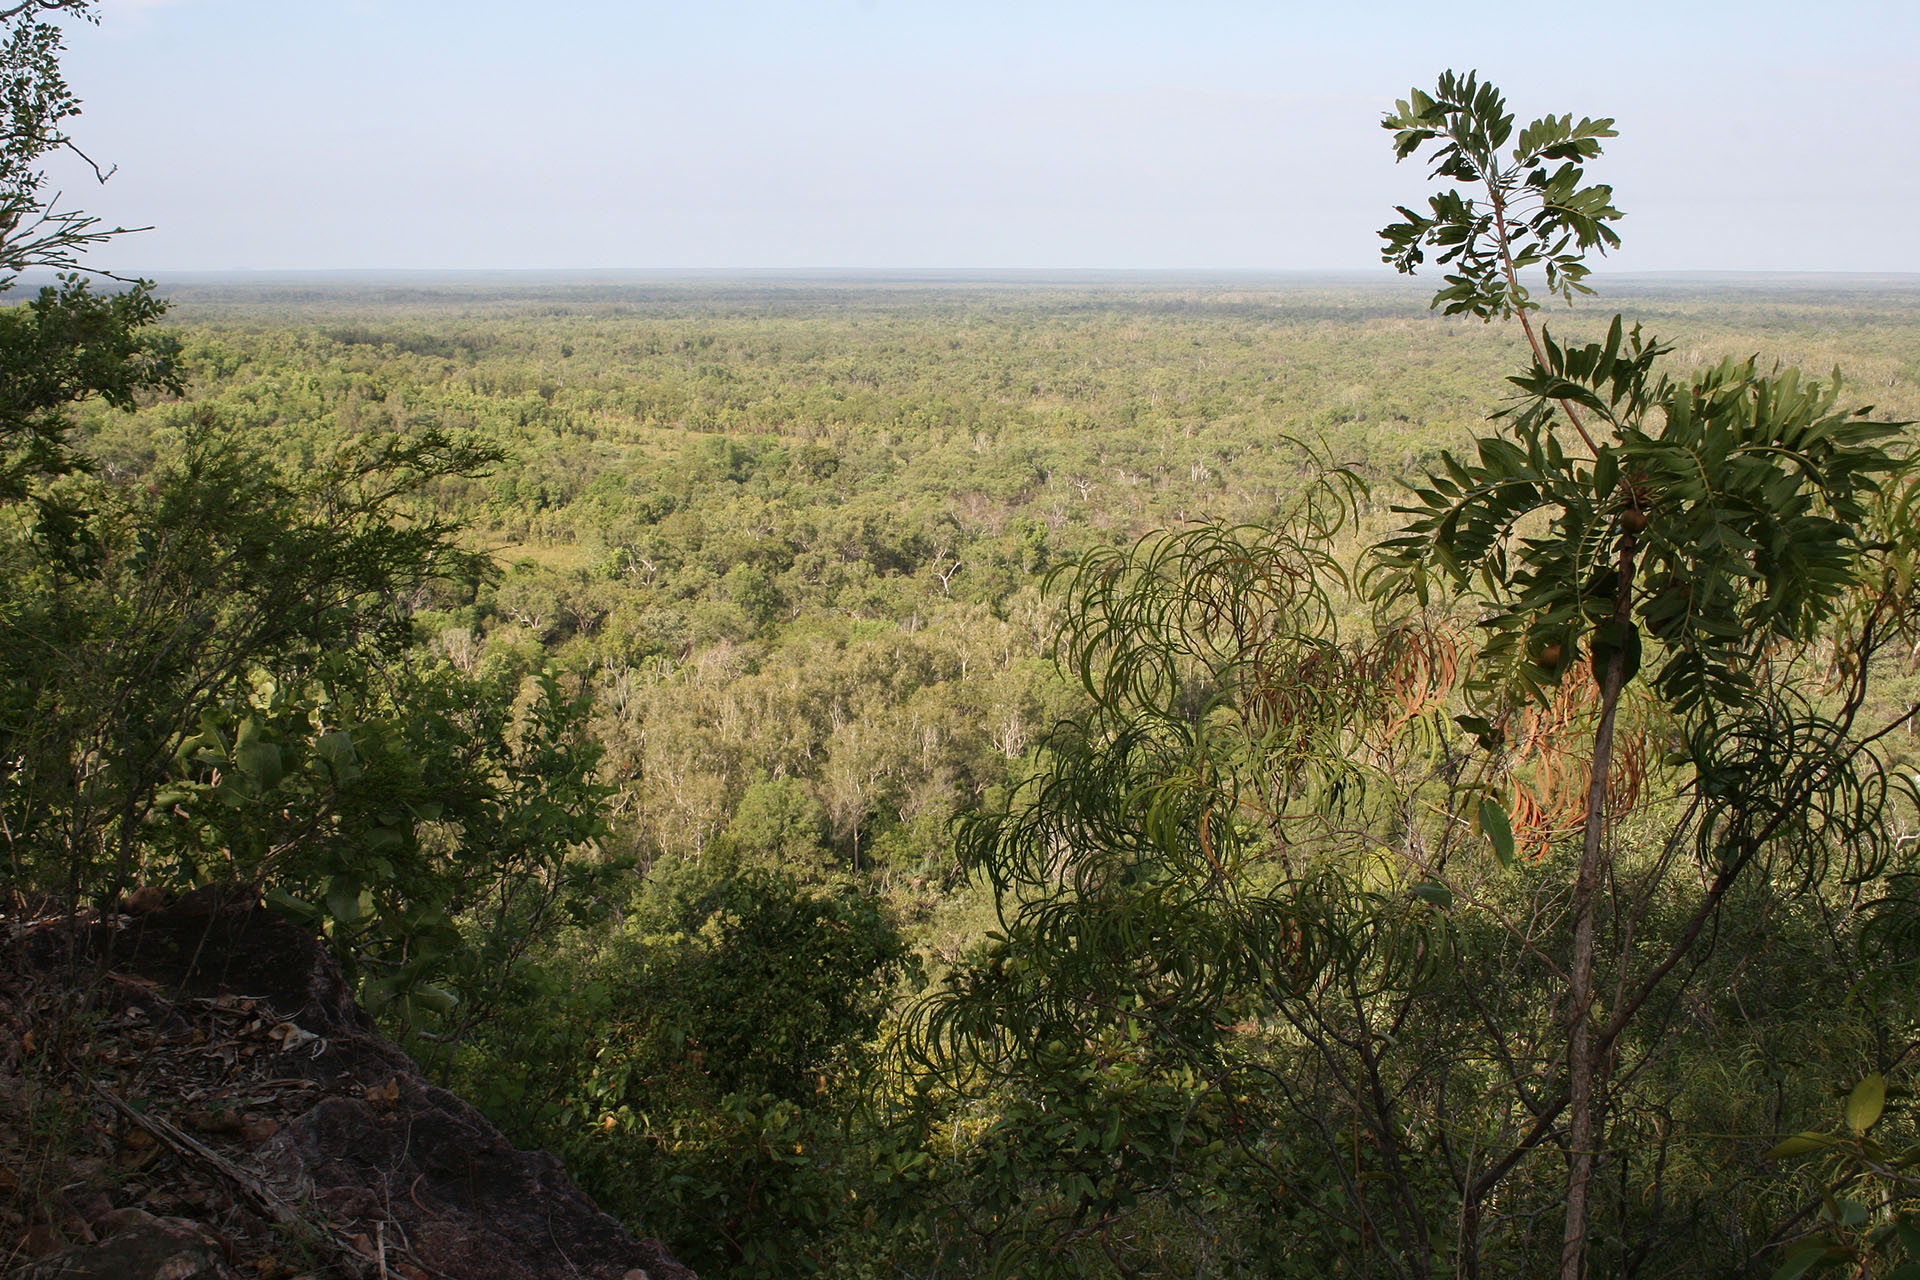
(1383, 277)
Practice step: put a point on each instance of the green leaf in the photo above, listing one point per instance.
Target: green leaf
(335, 746)
(260, 761)
(1617, 635)
(1800, 1261)
(1799, 1145)
(294, 908)
(1909, 1233)
(386, 837)
(1866, 1102)
(1606, 474)
(1482, 730)
(343, 900)
(1498, 830)
(1432, 891)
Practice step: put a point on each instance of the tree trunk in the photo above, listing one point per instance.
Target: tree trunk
(1583, 1126)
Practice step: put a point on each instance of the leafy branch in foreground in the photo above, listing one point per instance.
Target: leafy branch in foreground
(35, 104)
(213, 575)
(1537, 210)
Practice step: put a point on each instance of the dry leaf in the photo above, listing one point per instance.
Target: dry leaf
(291, 1037)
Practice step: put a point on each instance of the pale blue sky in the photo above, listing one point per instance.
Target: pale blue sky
(294, 134)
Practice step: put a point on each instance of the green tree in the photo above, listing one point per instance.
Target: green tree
(208, 578)
(209, 671)
(38, 103)
(1698, 525)
(705, 1075)
(779, 823)
(1286, 848)
(69, 343)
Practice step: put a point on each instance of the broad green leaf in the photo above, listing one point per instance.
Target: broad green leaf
(1617, 636)
(343, 900)
(1606, 474)
(1799, 1145)
(386, 837)
(1800, 1261)
(260, 761)
(1866, 1102)
(335, 746)
(287, 905)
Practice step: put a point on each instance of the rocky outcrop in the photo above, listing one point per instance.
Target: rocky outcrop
(138, 1246)
(229, 1110)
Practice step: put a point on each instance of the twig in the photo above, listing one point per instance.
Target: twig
(101, 174)
(413, 1195)
(258, 1193)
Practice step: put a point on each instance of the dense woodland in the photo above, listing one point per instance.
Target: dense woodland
(761, 586)
(1079, 777)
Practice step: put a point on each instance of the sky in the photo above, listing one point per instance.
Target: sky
(289, 135)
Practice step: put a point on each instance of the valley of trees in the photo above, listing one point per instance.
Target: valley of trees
(1090, 777)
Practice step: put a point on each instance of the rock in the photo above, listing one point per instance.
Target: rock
(145, 1248)
(258, 1129)
(364, 1147)
(468, 1203)
(145, 900)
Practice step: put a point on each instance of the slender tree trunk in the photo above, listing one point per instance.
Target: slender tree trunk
(1583, 1053)
(1469, 1250)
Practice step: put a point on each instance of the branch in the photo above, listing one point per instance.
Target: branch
(263, 1197)
(92, 164)
(1709, 907)
(1520, 307)
(76, 7)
